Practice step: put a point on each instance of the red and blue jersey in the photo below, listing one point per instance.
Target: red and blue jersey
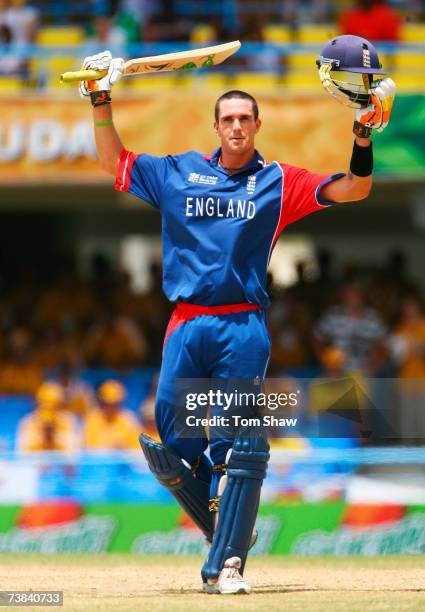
(219, 229)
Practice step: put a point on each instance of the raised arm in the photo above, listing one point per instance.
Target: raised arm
(108, 142)
(357, 183)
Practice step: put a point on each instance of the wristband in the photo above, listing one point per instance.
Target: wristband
(361, 160)
(99, 98)
(104, 123)
(361, 131)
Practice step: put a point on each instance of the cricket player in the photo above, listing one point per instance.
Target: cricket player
(221, 217)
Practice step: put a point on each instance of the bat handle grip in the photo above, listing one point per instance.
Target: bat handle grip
(82, 75)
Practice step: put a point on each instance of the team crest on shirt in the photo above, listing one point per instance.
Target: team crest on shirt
(251, 185)
(202, 179)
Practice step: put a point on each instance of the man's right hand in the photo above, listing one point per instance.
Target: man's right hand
(101, 61)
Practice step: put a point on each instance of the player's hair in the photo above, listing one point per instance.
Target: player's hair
(236, 93)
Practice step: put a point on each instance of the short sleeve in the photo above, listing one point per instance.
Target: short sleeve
(301, 192)
(142, 175)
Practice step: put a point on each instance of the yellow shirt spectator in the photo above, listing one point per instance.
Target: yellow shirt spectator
(49, 427)
(116, 342)
(409, 340)
(47, 430)
(413, 339)
(117, 431)
(18, 372)
(111, 426)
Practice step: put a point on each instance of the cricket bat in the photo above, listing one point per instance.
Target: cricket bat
(182, 60)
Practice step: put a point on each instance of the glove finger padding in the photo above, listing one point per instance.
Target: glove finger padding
(116, 70)
(377, 114)
(101, 61)
(386, 92)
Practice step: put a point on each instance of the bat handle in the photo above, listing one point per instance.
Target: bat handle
(82, 75)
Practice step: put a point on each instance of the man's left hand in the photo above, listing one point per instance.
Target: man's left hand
(376, 115)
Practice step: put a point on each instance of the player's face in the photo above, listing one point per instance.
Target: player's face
(236, 126)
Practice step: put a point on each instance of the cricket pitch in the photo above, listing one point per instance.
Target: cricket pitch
(129, 583)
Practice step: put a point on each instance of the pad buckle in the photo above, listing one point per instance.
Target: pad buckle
(214, 504)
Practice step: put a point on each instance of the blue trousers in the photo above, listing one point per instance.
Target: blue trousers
(226, 346)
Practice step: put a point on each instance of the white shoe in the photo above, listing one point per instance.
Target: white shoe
(229, 582)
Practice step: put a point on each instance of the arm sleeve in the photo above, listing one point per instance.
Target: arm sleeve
(301, 192)
(142, 175)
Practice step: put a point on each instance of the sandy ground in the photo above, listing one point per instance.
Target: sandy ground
(128, 583)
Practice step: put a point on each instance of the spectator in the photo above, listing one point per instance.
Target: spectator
(324, 287)
(23, 21)
(19, 373)
(371, 19)
(54, 346)
(165, 24)
(408, 340)
(408, 346)
(317, 11)
(111, 426)
(66, 305)
(154, 313)
(78, 395)
(107, 33)
(354, 329)
(9, 63)
(49, 427)
(390, 285)
(147, 411)
(125, 26)
(18, 25)
(115, 341)
(290, 328)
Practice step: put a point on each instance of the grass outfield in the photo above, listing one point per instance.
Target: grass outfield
(131, 583)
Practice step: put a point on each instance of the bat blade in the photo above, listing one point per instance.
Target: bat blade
(181, 60)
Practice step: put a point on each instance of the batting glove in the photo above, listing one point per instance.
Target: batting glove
(376, 115)
(101, 61)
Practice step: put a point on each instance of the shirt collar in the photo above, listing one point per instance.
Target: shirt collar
(256, 163)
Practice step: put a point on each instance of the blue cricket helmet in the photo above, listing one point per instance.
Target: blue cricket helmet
(347, 65)
(351, 54)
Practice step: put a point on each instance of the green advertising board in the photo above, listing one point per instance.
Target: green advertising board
(300, 528)
(400, 149)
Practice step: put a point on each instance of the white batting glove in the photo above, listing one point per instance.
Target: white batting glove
(101, 61)
(377, 114)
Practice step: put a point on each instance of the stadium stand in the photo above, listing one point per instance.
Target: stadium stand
(67, 32)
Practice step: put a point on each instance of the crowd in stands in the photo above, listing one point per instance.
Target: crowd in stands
(58, 422)
(119, 22)
(100, 322)
(364, 320)
(361, 320)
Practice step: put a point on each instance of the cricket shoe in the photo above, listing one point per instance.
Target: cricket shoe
(229, 582)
